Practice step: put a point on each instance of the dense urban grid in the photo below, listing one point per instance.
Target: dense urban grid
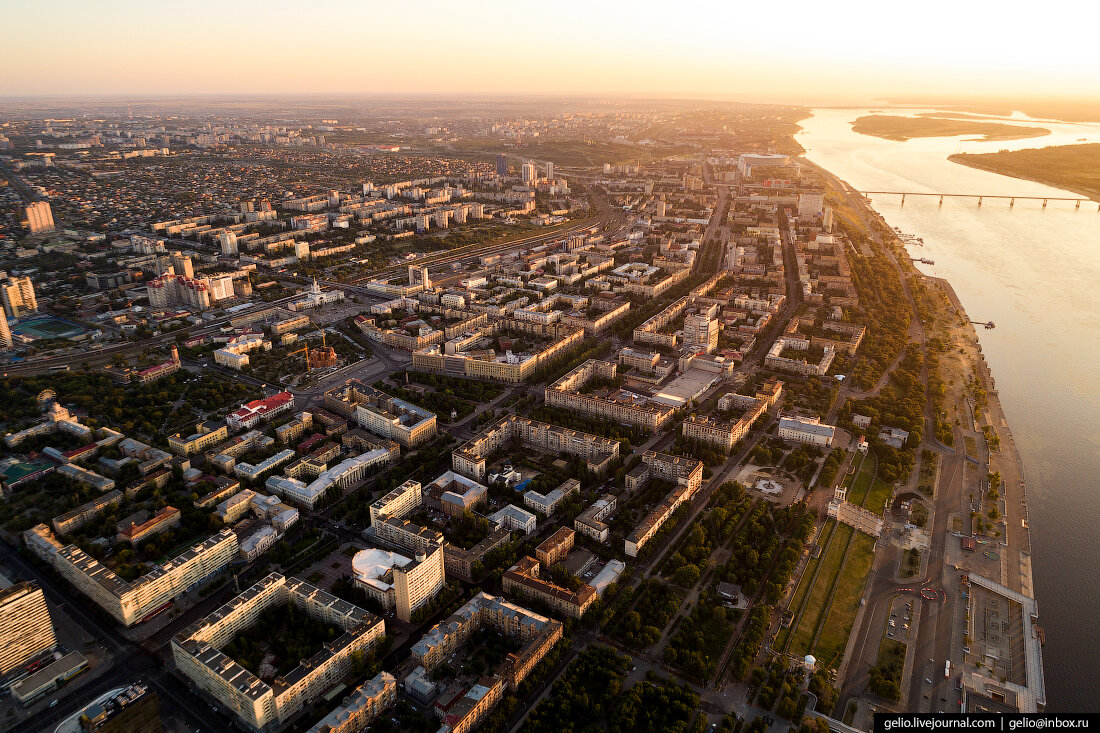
(621, 418)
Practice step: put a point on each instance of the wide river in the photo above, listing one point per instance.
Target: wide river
(1036, 273)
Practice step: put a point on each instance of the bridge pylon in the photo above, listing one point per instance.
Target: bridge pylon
(979, 201)
(1044, 203)
(1078, 206)
(903, 199)
(941, 199)
(1011, 203)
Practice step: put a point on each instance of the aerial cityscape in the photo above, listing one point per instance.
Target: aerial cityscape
(360, 410)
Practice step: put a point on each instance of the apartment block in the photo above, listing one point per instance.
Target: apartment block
(462, 563)
(686, 473)
(206, 435)
(17, 295)
(556, 547)
(487, 364)
(523, 581)
(537, 633)
(397, 503)
(616, 405)
(135, 533)
(131, 602)
(71, 521)
(359, 709)
(257, 705)
(381, 414)
(471, 457)
(403, 533)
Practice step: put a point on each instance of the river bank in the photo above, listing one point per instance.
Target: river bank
(901, 129)
(1031, 269)
(1069, 167)
(1005, 459)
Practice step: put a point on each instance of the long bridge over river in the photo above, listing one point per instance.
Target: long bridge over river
(980, 196)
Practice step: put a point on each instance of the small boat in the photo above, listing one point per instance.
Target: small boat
(990, 324)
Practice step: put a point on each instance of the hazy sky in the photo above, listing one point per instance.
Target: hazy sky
(792, 51)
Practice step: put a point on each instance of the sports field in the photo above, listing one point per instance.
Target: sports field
(48, 327)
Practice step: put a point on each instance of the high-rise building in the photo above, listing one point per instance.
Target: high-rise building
(5, 332)
(530, 173)
(550, 170)
(228, 242)
(181, 263)
(17, 294)
(701, 332)
(811, 203)
(26, 630)
(40, 217)
(502, 165)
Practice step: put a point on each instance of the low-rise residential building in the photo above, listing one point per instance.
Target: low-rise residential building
(590, 522)
(71, 521)
(167, 518)
(548, 503)
(515, 519)
(86, 477)
(556, 547)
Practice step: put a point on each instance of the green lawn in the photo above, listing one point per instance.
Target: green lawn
(858, 490)
(804, 583)
(804, 634)
(849, 589)
(878, 496)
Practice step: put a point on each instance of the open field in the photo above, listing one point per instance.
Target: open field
(891, 127)
(849, 588)
(1072, 167)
